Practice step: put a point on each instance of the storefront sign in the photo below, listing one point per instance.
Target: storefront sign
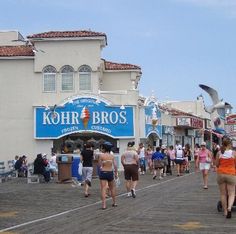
(84, 114)
(231, 119)
(183, 121)
(153, 120)
(189, 122)
(196, 123)
(168, 130)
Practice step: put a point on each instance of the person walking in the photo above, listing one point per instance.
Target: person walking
(130, 162)
(148, 156)
(179, 159)
(204, 161)
(195, 152)
(158, 163)
(108, 170)
(171, 154)
(87, 170)
(188, 157)
(142, 161)
(215, 149)
(226, 175)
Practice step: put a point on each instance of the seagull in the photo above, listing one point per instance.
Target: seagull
(217, 103)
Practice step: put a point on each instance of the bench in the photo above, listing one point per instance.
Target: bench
(33, 178)
(4, 174)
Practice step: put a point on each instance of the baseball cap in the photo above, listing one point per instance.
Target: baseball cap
(203, 143)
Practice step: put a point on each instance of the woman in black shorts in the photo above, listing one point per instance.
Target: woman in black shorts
(106, 175)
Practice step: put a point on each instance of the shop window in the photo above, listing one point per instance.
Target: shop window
(67, 78)
(49, 79)
(85, 78)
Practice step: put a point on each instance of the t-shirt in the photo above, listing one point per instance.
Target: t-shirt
(179, 154)
(129, 156)
(87, 155)
(157, 156)
(142, 153)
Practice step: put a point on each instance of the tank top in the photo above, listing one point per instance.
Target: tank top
(129, 156)
(202, 154)
(227, 163)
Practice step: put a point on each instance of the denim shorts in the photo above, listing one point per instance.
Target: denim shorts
(106, 175)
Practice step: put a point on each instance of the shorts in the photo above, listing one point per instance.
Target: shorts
(106, 175)
(228, 179)
(131, 172)
(87, 173)
(204, 166)
(179, 161)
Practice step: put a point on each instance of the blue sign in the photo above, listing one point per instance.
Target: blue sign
(84, 115)
(153, 120)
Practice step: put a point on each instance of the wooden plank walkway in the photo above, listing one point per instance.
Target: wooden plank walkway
(172, 205)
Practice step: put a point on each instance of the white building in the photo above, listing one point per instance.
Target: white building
(55, 86)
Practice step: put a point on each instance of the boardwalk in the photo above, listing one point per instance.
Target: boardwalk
(172, 205)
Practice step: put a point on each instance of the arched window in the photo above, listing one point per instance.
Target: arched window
(85, 78)
(67, 78)
(49, 79)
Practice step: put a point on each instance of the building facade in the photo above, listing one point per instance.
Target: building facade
(56, 88)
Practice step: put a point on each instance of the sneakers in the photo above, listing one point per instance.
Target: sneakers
(160, 178)
(129, 194)
(154, 177)
(133, 193)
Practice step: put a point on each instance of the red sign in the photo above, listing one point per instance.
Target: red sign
(231, 119)
(196, 123)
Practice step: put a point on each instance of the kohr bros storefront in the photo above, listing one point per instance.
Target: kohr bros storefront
(84, 118)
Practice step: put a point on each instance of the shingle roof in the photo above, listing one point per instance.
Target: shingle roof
(175, 112)
(9, 51)
(120, 66)
(66, 34)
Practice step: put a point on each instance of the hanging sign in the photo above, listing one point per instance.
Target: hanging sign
(84, 115)
(153, 120)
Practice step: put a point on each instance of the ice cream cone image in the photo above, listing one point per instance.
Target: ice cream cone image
(85, 116)
(85, 122)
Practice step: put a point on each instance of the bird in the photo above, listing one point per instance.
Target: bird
(218, 104)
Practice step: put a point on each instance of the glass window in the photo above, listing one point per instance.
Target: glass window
(49, 79)
(67, 78)
(85, 78)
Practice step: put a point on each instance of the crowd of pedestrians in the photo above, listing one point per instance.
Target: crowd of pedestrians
(154, 162)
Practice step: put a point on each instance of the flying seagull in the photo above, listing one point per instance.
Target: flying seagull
(217, 103)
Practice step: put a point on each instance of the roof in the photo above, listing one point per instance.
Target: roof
(120, 66)
(66, 34)
(10, 51)
(176, 112)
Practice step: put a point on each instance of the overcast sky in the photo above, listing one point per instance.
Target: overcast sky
(179, 44)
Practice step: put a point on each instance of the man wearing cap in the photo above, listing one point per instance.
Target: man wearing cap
(130, 162)
(204, 160)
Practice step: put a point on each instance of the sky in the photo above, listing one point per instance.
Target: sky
(178, 44)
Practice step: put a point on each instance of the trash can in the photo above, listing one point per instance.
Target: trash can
(75, 167)
(64, 162)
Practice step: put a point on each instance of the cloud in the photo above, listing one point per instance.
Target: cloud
(227, 6)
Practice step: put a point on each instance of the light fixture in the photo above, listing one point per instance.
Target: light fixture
(70, 101)
(122, 107)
